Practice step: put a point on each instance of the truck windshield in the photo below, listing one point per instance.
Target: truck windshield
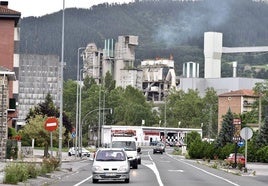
(126, 145)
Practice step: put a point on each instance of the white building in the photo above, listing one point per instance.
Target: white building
(213, 50)
(144, 135)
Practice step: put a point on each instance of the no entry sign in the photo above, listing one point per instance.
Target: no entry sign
(51, 124)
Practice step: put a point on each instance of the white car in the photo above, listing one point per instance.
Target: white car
(110, 164)
(80, 152)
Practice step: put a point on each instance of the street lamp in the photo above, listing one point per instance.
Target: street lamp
(79, 124)
(78, 112)
(61, 84)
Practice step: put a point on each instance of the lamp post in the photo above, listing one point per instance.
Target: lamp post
(79, 119)
(78, 112)
(99, 116)
(61, 84)
(165, 120)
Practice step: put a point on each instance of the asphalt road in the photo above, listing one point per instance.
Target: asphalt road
(156, 169)
(165, 170)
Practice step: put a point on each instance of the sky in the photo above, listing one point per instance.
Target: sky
(42, 7)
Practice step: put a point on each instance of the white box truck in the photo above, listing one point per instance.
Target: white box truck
(129, 144)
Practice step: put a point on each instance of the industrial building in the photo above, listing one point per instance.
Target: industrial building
(158, 77)
(213, 50)
(153, 77)
(117, 58)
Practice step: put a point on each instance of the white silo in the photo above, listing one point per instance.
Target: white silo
(190, 70)
(212, 54)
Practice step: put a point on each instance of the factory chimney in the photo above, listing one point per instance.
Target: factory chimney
(234, 68)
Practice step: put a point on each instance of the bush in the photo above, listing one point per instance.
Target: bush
(16, 172)
(33, 170)
(20, 172)
(226, 150)
(49, 165)
(262, 154)
(208, 150)
(196, 149)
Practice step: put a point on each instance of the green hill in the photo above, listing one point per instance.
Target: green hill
(164, 28)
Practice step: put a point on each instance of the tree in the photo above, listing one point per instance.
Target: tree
(261, 89)
(262, 137)
(88, 82)
(226, 131)
(210, 114)
(130, 107)
(183, 107)
(109, 83)
(34, 129)
(48, 109)
(69, 99)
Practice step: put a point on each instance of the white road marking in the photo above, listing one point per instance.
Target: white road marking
(154, 169)
(175, 170)
(83, 181)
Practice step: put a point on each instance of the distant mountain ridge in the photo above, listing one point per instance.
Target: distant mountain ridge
(164, 28)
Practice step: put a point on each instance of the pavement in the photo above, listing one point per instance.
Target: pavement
(72, 164)
(69, 165)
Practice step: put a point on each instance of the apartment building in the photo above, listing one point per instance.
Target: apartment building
(9, 51)
(9, 65)
(239, 101)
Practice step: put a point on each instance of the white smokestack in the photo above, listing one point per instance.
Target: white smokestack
(234, 68)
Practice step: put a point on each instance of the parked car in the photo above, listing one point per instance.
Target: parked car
(159, 148)
(81, 152)
(240, 159)
(110, 164)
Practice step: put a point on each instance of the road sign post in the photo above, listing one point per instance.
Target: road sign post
(51, 124)
(246, 133)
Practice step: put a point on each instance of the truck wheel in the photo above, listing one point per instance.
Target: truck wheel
(135, 165)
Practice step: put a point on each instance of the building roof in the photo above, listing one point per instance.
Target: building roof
(242, 92)
(6, 13)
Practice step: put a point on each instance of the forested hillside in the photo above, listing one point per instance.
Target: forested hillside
(164, 28)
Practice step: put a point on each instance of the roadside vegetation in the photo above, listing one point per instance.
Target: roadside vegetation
(16, 172)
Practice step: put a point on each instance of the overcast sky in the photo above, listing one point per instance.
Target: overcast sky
(43, 7)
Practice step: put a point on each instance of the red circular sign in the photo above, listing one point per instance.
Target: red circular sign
(51, 124)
